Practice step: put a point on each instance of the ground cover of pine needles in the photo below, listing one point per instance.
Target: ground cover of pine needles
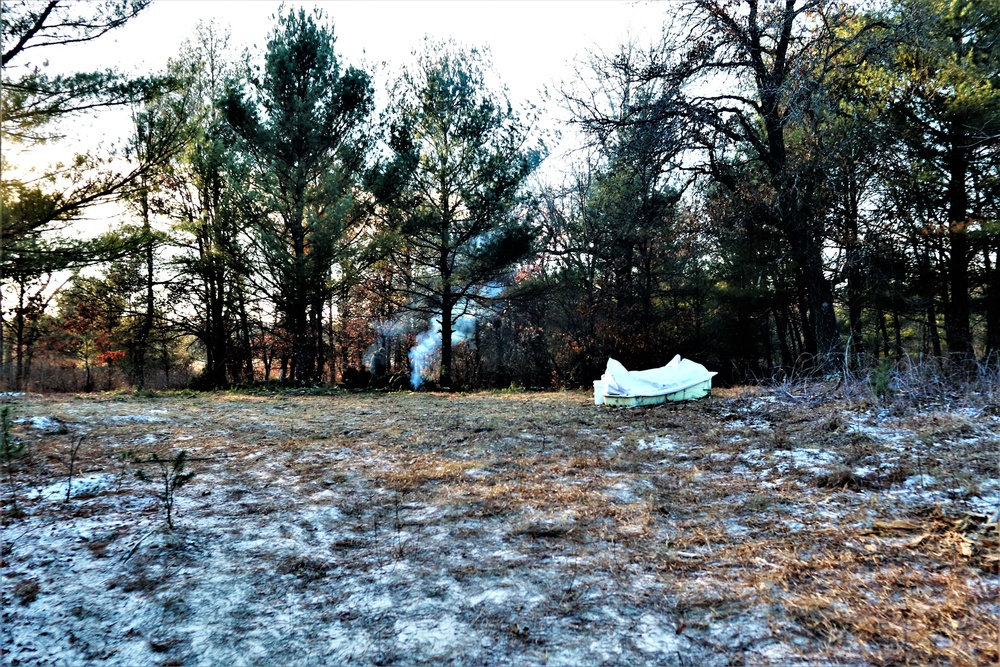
(805, 525)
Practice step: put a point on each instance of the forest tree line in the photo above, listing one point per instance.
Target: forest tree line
(773, 188)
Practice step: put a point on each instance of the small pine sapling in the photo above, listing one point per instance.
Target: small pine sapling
(173, 476)
(10, 448)
(72, 466)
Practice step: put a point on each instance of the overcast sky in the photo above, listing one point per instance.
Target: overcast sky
(533, 42)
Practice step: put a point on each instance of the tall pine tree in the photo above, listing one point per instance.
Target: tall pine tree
(301, 123)
(461, 163)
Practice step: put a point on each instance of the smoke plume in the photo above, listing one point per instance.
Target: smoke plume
(425, 354)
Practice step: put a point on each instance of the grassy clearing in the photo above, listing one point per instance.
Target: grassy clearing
(799, 526)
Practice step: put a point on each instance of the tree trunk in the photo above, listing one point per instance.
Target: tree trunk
(298, 331)
(992, 304)
(806, 248)
(298, 304)
(806, 319)
(246, 338)
(883, 329)
(855, 277)
(216, 323)
(316, 334)
(897, 330)
(959, 332)
(19, 336)
(927, 283)
(219, 343)
(4, 357)
(932, 326)
(781, 328)
(142, 342)
(446, 328)
(822, 319)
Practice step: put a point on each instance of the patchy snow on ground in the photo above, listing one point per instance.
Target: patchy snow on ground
(147, 419)
(86, 485)
(498, 529)
(41, 423)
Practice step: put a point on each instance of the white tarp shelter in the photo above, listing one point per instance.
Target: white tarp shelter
(679, 380)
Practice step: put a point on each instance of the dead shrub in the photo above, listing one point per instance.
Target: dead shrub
(757, 503)
(26, 591)
(305, 568)
(99, 548)
(897, 474)
(859, 448)
(164, 645)
(420, 471)
(144, 582)
(780, 438)
(843, 477)
(348, 543)
(833, 424)
(543, 529)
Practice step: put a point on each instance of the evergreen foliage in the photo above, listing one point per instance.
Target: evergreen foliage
(173, 476)
(301, 121)
(455, 211)
(773, 188)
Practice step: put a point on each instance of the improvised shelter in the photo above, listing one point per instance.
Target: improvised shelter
(680, 380)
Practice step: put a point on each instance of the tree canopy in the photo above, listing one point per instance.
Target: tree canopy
(301, 122)
(460, 163)
(803, 186)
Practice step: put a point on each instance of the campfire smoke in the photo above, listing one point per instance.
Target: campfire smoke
(425, 354)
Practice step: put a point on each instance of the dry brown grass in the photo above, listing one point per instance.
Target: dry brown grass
(829, 558)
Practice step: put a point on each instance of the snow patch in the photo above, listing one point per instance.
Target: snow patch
(918, 481)
(630, 492)
(813, 460)
(87, 485)
(751, 423)
(493, 596)
(661, 443)
(142, 419)
(434, 637)
(652, 637)
(41, 423)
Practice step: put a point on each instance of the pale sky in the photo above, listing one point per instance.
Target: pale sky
(533, 43)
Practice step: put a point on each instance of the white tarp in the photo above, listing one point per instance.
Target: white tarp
(678, 375)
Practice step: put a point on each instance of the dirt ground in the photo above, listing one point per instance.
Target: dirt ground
(789, 526)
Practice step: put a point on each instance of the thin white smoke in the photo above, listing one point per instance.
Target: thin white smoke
(425, 353)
